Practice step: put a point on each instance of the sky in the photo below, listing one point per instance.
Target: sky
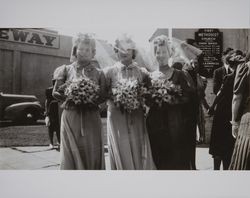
(109, 18)
(139, 35)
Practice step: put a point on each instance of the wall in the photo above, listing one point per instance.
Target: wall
(27, 69)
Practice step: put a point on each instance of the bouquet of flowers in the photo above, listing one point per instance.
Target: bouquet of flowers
(81, 93)
(127, 95)
(163, 92)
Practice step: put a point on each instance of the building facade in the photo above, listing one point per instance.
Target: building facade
(234, 38)
(28, 58)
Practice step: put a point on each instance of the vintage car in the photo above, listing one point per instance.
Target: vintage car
(20, 108)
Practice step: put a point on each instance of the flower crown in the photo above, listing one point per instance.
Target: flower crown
(161, 41)
(87, 38)
(125, 41)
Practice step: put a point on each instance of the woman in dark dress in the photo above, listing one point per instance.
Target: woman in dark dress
(167, 124)
(222, 141)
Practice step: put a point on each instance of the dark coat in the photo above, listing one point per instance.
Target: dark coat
(241, 154)
(222, 141)
(51, 106)
(218, 77)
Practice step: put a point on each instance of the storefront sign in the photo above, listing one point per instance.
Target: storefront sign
(30, 36)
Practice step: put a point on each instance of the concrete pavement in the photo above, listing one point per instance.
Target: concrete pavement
(29, 158)
(43, 158)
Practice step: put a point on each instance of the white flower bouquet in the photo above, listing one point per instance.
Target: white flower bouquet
(163, 92)
(81, 93)
(127, 95)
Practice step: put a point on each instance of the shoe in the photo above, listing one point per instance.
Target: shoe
(51, 146)
(57, 145)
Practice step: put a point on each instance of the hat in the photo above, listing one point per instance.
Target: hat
(235, 58)
(190, 41)
(227, 51)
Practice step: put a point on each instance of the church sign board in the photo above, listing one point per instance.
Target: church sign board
(211, 43)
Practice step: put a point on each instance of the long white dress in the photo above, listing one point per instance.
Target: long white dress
(128, 140)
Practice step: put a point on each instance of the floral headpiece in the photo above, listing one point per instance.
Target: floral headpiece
(124, 42)
(85, 38)
(161, 41)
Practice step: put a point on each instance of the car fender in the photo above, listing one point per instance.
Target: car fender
(17, 109)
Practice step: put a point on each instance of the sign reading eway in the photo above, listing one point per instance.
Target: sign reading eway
(30, 36)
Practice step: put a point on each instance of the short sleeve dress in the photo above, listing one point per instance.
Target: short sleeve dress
(81, 130)
(129, 145)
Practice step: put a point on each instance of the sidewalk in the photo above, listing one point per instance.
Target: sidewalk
(42, 158)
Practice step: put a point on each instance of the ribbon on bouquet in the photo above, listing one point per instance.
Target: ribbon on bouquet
(82, 124)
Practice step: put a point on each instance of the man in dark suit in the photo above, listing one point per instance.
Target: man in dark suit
(52, 116)
(221, 72)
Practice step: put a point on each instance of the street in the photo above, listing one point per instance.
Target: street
(26, 148)
(42, 158)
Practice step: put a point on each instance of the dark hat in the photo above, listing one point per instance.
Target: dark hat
(177, 65)
(235, 58)
(238, 52)
(227, 51)
(190, 41)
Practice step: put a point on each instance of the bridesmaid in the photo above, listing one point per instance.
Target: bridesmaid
(167, 125)
(129, 146)
(81, 129)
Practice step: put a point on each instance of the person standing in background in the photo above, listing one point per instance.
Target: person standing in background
(220, 73)
(218, 77)
(241, 117)
(202, 102)
(193, 106)
(52, 116)
(222, 142)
